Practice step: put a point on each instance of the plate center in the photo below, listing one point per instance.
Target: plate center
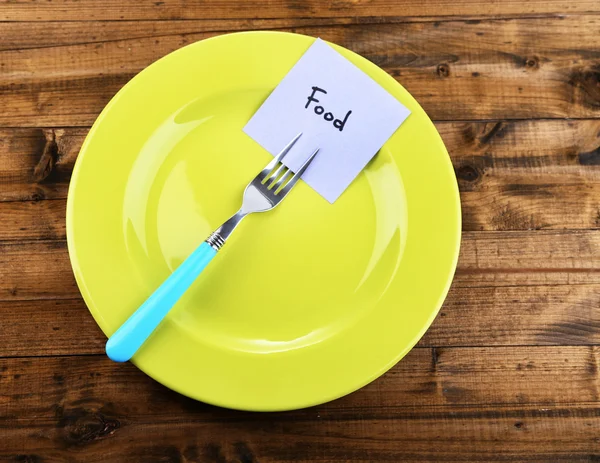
(284, 280)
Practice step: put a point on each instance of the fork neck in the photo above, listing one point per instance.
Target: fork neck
(218, 238)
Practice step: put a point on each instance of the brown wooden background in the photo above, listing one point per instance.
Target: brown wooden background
(510, 369)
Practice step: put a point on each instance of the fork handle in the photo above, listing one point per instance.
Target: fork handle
(125, 342)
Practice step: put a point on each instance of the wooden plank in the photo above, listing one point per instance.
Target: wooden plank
(530, 315)
(544, 376)
(36, 164)
(518, 434)
(536, 251)
(507, 69)
(65, 10)
(526, 174)
(433, 405)
(515, 175)
(41, 269)
(36, 270)
(48, 327)
(39, 219)
(23, 35)
(491, 259)
(503, 316)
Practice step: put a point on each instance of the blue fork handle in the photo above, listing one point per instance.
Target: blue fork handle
(133, 333)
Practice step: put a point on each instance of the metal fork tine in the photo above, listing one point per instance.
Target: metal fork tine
(288, 147)
(258, 197)
(277, 159)
(277, 173)
(282, 181)
(286, 189)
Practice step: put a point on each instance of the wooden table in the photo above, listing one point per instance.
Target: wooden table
(508, 371)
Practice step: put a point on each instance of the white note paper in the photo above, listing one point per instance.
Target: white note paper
(337, 108)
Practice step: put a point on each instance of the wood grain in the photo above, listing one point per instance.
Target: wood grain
(496, 69)
(426, 377)
(33, 163)
(47, 328)
(517, 316)
(492, 259)
(37, 163)
(64, 33)
(40, 10)
(32, 270)
(472, 434)
(468, 400)
(526, 174)
(37, 219)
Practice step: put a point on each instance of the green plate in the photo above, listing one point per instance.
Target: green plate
(306, 303)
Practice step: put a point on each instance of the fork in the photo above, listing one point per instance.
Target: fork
(262, 194)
